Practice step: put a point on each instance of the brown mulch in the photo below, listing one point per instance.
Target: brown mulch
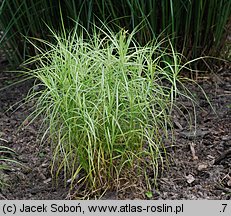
(199, 163)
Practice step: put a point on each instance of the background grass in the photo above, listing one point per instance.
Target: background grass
(194, 27)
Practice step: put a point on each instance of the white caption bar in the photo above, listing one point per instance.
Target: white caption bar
(114, 207)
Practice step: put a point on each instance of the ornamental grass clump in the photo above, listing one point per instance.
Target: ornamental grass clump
(106, 103)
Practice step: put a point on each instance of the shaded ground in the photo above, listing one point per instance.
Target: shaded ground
(32, 180)
(200, 164)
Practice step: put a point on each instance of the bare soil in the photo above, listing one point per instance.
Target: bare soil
(199, 161)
